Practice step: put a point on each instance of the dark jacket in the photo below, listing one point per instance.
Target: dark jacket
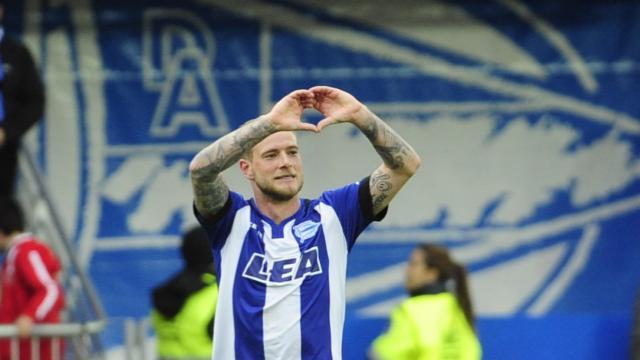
(169, 298)
(23, 98)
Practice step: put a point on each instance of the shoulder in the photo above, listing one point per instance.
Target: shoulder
(236, 203)
(32, 246)
(26, 242)
(347, 192)
(233, 204)
(434, 302)
(12, 48)
(38, 245)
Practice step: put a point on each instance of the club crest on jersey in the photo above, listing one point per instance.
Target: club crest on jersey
(285, 270)
(305, 230)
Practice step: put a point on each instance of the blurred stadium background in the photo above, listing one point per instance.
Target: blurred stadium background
(525, 113)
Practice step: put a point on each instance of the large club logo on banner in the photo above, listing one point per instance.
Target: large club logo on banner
(179, 50)
(531, 151)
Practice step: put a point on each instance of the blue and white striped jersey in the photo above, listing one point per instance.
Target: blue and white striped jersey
(282, 286)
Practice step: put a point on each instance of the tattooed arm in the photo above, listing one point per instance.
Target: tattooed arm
(399, 160)
(210, 191)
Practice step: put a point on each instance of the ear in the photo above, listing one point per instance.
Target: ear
(245, 167)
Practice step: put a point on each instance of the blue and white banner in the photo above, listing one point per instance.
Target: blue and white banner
(525, 114)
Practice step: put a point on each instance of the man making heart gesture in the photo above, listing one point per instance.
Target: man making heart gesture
(281, 260)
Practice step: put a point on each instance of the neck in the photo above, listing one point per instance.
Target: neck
(277, 210)
(429, 289)
(8, 240)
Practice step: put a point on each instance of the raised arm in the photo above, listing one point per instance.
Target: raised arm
(210, 191)
(399, 160)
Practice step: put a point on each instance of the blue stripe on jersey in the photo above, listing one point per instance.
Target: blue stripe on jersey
(315, 324)
(346, 203)
(229, 255)
(249, 298)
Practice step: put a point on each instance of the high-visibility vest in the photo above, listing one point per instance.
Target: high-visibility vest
(428, 327)
(186, 335)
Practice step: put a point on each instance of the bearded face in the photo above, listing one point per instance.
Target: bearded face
(275, 167)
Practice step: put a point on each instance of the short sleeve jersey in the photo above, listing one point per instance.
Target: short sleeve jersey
(282, 286)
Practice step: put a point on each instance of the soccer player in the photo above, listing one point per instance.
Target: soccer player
(281, 260)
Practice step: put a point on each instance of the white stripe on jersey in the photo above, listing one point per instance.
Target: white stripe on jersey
(229, 256)
(282, 337)
(45, 279)
(337, 253)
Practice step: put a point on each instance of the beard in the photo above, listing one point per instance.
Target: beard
(279, 194)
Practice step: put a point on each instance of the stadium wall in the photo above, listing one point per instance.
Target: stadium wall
(525, 114)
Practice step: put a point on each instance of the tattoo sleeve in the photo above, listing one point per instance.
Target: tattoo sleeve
(395, 152)
(399, 159)
(382, 186)
(210, 191)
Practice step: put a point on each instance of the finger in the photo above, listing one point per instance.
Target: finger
(325, 122)
(322, 89)
(307, 127)
(308, 102)
(301, 95)
(322, 98)
(300, 92)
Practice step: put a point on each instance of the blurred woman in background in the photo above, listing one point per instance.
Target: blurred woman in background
(437, 320)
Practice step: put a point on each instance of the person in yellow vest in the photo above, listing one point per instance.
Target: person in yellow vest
(184, 306)
(436, 321)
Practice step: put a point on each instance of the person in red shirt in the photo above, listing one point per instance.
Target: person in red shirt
(30, 292)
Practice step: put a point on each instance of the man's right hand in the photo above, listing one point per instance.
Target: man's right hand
(24, 324)
(3, 136)
(286, 114)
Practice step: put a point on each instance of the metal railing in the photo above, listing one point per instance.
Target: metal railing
(72, 336)
(135, 339)
(84, 316)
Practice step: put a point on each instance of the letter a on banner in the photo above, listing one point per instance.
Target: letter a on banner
(189, 97)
